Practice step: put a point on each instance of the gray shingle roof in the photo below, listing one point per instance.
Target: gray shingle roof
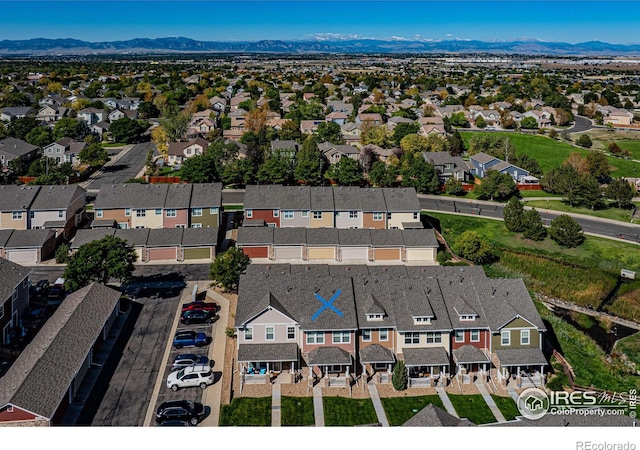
(194, 237)
(412, 225)
(206, 195)
(419, 238)
(354, 238)
(328, 356)
(483, 158)
(11, 275)
(268, 352)
(40, 377)
(164, 237)
(296, 198)
(376, 353)
(433, 416)
(289, 236)
(401, 199)
(178, 196)
(436, 356)
(85, 236)
(17, 198)
(386, 238)
(4, 237)
(347, 198)
(503, 300)
(262, 196)
(137, 196)
(255, 235)
(372, 200)
(29, 238)
(136, 237)
(322, 236)
(468, 354)
(520, 356)
(16, 147)
(321, 198)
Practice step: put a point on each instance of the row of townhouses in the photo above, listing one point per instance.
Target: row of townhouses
(336, 322)
(331, 207)
(160, 205)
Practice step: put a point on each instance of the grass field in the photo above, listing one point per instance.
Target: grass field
(632, 146)
(348, 412)
(244, 411)
(507, 406)
(401, 409)
(623, 215)
(297, 411)
(472, 407)
(630, 346)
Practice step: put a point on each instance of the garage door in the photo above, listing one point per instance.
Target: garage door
(322, 253)
(23, 256)
(138, 252)
(256, 252)
(197, 253)
(156, 254)
(386, 254)
(421, 254)
(288, 252)
(354, 253)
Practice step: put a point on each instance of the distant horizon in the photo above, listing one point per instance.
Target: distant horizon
(569, 22)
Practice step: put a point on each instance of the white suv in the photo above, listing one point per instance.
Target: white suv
(197, 375)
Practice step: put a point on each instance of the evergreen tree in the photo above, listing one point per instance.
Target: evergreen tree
(309, 163)
(566, 231)
(533, 227)
(418, 173)
(400, 378)
(513, 214)
(620, 191)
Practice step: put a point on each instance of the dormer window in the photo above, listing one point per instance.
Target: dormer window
(375, 317)
(421, 320)
(467, 317)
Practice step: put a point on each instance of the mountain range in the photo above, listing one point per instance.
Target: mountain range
(43, 47)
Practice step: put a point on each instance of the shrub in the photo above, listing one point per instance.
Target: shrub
(566, 231)
(533, 228)
(472, 247)
(400, 378)
(513, 214)
(62, 254)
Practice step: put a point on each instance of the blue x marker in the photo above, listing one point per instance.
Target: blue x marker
(328, 305)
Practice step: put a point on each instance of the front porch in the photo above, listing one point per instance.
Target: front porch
(427, 366)
(471, 363)
(520, 367)
(268, 363)
(377, 363)
(331, 367)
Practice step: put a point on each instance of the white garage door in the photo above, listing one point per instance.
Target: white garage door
(421, 254)
(288, 252)
(354, 253)
(23, 256)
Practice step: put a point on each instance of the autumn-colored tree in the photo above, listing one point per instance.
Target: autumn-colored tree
(256, 119)
(159, 137)
(578, 162)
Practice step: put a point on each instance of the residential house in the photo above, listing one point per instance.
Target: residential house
(351, 133)
(395, 120)
(340, 107)
(543, 118)
(12, 148)
(490, 116)
(448, 110)
(617, 116)
(65, 150)
(14, 299)
(218, 104)
(481, 162)
(180, 151)
(176, 206)
(348, 207)
(449, 166)
(338, 117)
(120, 113)
(322, 207)
(91, 116)
(9, 113)
(371, 118)
(15, 203)
(263, 203)
(310, 126)
(52, 113)
(287, 148)
(206, 205)
(334, 152)
(29, 246)
(59, 208)
(100, 128)
(402, 206)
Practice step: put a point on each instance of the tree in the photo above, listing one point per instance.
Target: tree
(584, 141)
(226, 269)
(400, 377)
(418, 173)
(620, 191)
(174, 122)
(19, 128)
(586, 192)
(151, 168)
(199, 169)
(94, 155)
(413, 143)
(403, 129)
(614, 148)
(382, 175)
(456, 144)
(474, 248)
(533, 227)
(69, 127)
(160, 138)
(598, 165)
(513, 214)
(275, 170)
(239, 172)
(100, 260)
(459, 120)
(376, 134)
(309, 163)
(127, 130)
(346, 172)
(480, 122)
(40, 136)
(497, 186)
(566, 231)
(529, 123)
(256, 119)
(330, 132)
(454, 187)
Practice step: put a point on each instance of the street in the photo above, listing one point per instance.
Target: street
(126, 167)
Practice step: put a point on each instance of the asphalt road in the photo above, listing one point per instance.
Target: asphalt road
(126, 167)
(580, 124)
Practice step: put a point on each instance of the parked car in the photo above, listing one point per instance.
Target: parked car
(188, 359)
(189, 339)
(207, 306)
(40, 289)
(56, 294)
(184, 410)
(198, 316)
(199, 375)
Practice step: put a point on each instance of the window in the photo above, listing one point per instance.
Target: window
(524, 337)
(317, 215)
(16, 215)
(196, 212)
(249, 213)
(459, 336)
(383, 334)
(276, 213)
(417, 320)
(434, 337)
(171, 213)
(248, 334)
(505, 337)
(213, 210)
(475, 335)
(467, 317)
(32, 214)
(127, 212)
(291, 333)
(341, 337)
(315, 337)
(141, 212)
(304, 214)
(388, 216)
(99, 213)
(415, 216)
(288, 214)
(412, 338)
(353, 214)
(269, 333)
(61, 214)
(158, 212)
(377, 216)
(366, 335)
(196, 225)
(374, 317)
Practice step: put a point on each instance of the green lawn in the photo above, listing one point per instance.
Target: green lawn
(347, 412)
(527, 194)
(632, 146)
(472, 407)
(401, 409)
(297, 411)
(630, 346)
(623, 215)
(245, 411)
(507, 406)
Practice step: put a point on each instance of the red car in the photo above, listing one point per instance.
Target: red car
(206, 306)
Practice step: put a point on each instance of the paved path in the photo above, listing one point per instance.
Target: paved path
(318, 410)
(445, 400)
(489, 400)
(377, 404)
(514, 395)
(276, 411)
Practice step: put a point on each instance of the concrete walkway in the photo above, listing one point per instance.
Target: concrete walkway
(514, 395)
(490, 402)
(445, 400)
(318, 409)
(276, 401)
(377, 404)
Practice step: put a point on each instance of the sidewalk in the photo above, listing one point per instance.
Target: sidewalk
(318, 409)
(445, 400)
(489, 401)
(276, 402)
(377, 404)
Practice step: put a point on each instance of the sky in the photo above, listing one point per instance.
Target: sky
(615, 22)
